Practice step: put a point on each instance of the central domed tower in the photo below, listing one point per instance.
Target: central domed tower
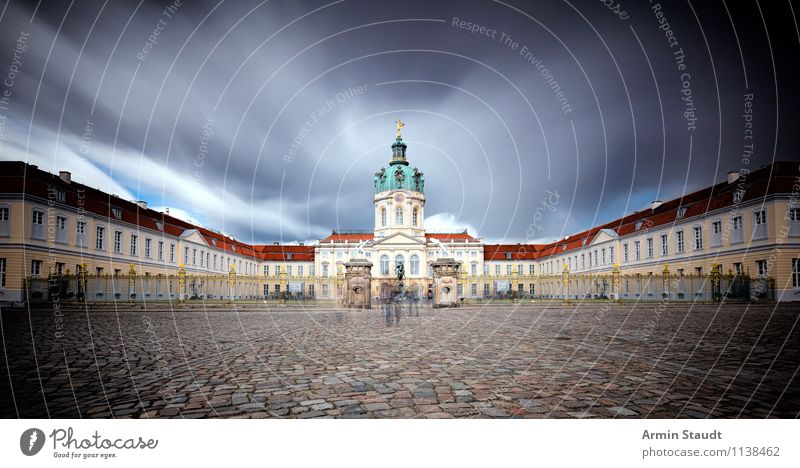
(399, 195)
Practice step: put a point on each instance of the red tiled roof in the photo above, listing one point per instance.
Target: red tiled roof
(336, 237)
(455, 237)
(514, 251)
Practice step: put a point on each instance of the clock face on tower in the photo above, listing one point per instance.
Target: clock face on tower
(398, 198)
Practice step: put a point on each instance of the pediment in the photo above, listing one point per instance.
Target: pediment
(398, 239)
(193, 235)
(604, 235)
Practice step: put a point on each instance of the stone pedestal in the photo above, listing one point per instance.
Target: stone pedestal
(445, 282)
(358, 277)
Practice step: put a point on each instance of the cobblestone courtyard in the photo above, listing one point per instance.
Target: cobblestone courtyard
(526, 361)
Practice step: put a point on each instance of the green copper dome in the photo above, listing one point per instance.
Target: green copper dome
(399, 176)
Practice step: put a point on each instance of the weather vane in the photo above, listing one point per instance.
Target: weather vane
(400, 124)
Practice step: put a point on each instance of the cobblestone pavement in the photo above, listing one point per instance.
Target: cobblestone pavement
(528, 361)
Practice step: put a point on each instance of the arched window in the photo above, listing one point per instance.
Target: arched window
(384, 264)
(399, 260)
(398, 216)
(414, 265)
(414, 217)
(383, 217)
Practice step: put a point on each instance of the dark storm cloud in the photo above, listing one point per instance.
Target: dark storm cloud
(267, 120)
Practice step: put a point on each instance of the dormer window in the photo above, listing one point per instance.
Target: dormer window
(563, 247)
(682, 212)
(117, 212)
(159, 225)
(583, 241)
(508, 255)
(638, 225)
(233, 247)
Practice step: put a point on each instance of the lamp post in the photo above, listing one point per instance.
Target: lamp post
(181, 281)
(231, 282)
(514, 281)
(565, 282)
(131, 282)
(284, 283)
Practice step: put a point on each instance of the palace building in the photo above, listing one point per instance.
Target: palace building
(737, 239)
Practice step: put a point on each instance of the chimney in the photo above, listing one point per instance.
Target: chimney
(655, 204)
(166, 211)
(142, 204)
(733, 176)
(65, 176)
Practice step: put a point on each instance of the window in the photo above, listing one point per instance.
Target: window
(37, 225)
(398, 216)
(172, 253)
(288, 270)
(324, 289)
(5, 228)
(736, 229)
(36, 267)
(194, 259)
(508, 270)
(186, 255)
(497, 270)
(531, 289)
(595, 259)
(760, 224)
(603, 256)
(399, 260)
(147, 245)
(415, 264)
(486, 290)
(61, 229)
(2, 272)
(383, 219)
(384, 264)
(761, 267)
(611, 253)
(312, 271)
(636, 251)
(311, 290)
(414, 216)
(134, 238)
(325, 269)
(793, 214)
(583, 259)
(664, 245)
(100, 234)
(473, 290)
(795, 272)
(485, 270)
(161, 250)
(117, 241)
(716, 233)
(679, 241)
(737, 268)
(531, 268)
(299, 270)
(80, 234)
(698, 238)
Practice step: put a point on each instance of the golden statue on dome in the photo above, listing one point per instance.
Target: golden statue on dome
(399, 124)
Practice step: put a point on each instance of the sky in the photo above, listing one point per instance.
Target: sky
(267, 120)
